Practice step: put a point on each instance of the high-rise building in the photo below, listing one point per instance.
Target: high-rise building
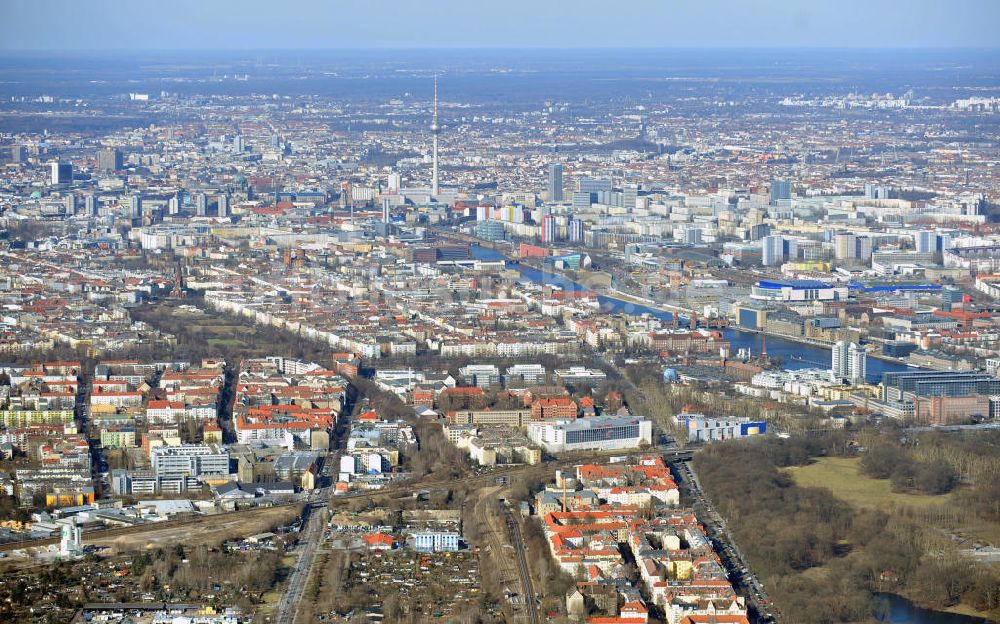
(852, 247)
(60, 172)
(772, 250)
(395, 182)
(593, 185)
(849, 362)
(692, 236)
(490, 230)
(239, 145)
(18, 154)
(929, 241)
(863, 248)
(555, 182)
(548, 228)
(575, 230)
(174, 205)
(582, 200)
(759, 231)
(629, 196)
(109, 160)
(91, 206)
(201, 204)
(877, 191)
(780, 189)
(223, 204)
(135, 203)
(70, 205)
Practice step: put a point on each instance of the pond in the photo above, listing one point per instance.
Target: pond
(894, 609)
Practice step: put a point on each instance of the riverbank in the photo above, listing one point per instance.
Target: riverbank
(613, 293)
(795, 352)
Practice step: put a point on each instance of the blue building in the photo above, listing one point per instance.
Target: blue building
(780, 189)
(435, 541)
(555, 183)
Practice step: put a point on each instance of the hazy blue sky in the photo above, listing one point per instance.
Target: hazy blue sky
(318, 24)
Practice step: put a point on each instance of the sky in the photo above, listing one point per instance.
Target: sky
(393, 24)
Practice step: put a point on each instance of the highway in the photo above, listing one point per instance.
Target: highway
(715, 525)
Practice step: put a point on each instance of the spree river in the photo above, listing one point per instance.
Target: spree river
(794, 355)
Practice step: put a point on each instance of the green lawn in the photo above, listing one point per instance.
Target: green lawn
(842, 477)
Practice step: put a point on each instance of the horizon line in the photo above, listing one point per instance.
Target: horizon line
(819, 48)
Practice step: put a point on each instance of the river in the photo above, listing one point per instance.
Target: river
(893, 609)
(794, 355)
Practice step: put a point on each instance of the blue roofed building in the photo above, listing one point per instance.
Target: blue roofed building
(798, 291)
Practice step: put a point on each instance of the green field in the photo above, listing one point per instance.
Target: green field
(841, 476)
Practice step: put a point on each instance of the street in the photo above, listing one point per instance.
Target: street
(743, 579)
(309, 540)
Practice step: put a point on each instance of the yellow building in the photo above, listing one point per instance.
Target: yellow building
(22, 418)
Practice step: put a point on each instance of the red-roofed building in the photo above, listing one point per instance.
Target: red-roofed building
(553, 408)
(380, 541)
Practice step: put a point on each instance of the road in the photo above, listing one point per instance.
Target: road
(743, 579)
(309, 539)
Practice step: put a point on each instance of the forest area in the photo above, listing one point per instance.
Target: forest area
(823, 559)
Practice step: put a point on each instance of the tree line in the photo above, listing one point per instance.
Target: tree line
(821, 559)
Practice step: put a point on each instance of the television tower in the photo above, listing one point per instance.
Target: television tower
(435, 131)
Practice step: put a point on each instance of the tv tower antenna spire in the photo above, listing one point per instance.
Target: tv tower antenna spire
(435, 131)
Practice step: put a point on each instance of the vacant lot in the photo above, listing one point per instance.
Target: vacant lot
(209, 530)
(842, 477)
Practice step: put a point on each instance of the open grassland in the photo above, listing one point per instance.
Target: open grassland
(842, 476)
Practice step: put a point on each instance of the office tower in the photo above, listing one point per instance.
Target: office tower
(201, 204)
(491, 230)
(759, 231)
(239, 146)
(772, 250)
(692, 236)
(135, 203)
(61, 173)
(70, 205)
(877, 191)
(575, 230)
(18, 154)
(395, 182)
(843, 246)
(852, 247)
(109, 160)
(555, 182)
(928, 241)
(435, 131)
(275, 142)
(91, 206)
(790, 249)
(581, 200)
(548, 228)
(223, 203)
(593, 185)
(780, 189)
(863, 248)
(849, 361)
(629, 196)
